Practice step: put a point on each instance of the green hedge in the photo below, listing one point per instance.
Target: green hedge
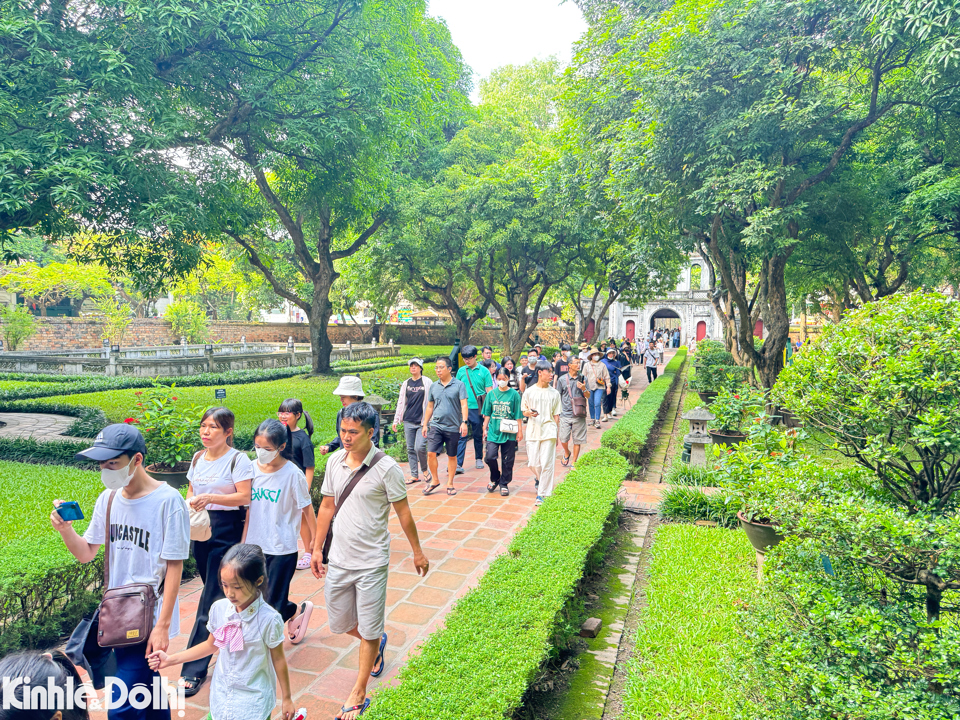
(494, 641)
(629, 436)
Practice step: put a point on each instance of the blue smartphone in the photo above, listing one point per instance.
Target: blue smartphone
(70, 510)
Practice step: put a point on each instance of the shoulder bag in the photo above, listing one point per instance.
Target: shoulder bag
(480, 398)
(328, 541)
(577, 399)
(200, 529)
(126, 612)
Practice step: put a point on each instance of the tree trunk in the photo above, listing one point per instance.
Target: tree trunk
(934, 596)
(320, 312)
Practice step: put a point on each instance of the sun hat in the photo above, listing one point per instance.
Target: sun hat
(611, 350)
(593, 351)
(350, 385)
(583, 346)
(418, 361)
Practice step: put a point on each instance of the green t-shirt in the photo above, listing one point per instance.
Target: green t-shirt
(501, 406)
(482, 382)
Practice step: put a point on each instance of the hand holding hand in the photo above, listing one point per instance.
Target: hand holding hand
(157, 660)
(324, 449)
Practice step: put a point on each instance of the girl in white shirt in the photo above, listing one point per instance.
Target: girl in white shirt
(249, 634)
(220, 479)
(279, 502)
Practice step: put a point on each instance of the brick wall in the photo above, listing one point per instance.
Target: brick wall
(66, 333)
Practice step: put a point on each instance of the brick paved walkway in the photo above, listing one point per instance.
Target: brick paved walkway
(461, 536)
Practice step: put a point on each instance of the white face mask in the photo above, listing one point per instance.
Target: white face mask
(265, 457)
(117, 479)
(502, 384)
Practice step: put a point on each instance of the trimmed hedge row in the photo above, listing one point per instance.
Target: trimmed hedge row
(630, 434)
(479, 666)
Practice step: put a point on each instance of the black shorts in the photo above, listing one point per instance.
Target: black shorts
(437, 439)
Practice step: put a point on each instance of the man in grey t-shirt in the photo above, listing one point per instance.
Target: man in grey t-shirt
(444, 423)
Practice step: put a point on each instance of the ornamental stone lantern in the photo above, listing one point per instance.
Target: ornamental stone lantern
(698, 437)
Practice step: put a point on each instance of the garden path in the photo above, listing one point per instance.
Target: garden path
(461, 536)
(40, 426)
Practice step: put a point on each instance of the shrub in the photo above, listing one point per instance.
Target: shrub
(629, 436)
(689, 503)
(493, 642)
(714, 378)
(170, 427)
(18, 325)
(733, 409)
(187, 319)
(885, 385)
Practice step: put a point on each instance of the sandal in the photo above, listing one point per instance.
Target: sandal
(504, 491)
(197, 684)
(451, 491)
(413, 480)
(565, 461)
(379, 659)
(491, 487)
(430, 488)
(361, 708)
(302, 620)
(304, 562)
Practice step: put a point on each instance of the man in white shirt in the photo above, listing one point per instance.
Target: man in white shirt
(651, 359)
(355, 589)
(541, 404)
(149, 537)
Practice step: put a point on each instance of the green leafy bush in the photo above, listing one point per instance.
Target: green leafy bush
(479, 665)
(187, 319)
(630, 434)
(714, 378)
(733, 409)
(170, 427)
(17, 325)
(689, 503)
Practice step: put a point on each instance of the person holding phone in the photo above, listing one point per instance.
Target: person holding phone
(149, 538)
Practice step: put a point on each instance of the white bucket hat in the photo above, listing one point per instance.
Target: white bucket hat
(418, 361)
(350, 385)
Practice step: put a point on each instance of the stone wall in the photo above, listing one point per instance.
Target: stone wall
(66, 333)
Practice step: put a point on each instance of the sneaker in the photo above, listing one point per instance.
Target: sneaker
(460, 470)
(539, 500)
(480, 465)
(613, 412)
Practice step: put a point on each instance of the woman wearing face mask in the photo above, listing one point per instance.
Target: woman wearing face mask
(503, 403)
(151, 541)
(279, 503)
(220, 478)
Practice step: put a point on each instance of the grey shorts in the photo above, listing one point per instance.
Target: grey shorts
(356, 599)
(575, 426)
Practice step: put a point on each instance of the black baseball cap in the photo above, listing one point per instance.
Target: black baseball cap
(114, 441)
(468, 351)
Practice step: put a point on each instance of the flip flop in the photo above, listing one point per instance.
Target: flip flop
(197, 684)
(361, 708)
(379, 659)
(565, 461)
(304, 562)
(303, 621)
(412, 480)
(430, 488)
(451, 491)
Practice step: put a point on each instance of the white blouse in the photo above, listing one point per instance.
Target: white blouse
(244, 685)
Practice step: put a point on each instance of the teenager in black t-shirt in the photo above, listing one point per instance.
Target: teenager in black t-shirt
(299, 451)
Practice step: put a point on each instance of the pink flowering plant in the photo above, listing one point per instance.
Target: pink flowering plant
(169, 426)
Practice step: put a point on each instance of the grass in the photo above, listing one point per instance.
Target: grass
(690, 657)
(251, 403)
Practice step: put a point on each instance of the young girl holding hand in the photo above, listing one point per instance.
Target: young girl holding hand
(280, 501)
(249, 634)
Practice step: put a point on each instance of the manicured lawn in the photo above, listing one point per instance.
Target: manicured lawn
(27, 540)
(689, 655)
(251, 403)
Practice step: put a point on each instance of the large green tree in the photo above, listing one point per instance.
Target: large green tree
(301, 133)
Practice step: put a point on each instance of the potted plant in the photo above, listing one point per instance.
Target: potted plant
(169, 430)
(731, 410)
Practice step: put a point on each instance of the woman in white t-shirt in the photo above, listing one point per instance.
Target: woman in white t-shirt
(279, 502)
(249, 635)
(220, 478)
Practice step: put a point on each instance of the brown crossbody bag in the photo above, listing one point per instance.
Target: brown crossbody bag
(126, 612)
(377, 457)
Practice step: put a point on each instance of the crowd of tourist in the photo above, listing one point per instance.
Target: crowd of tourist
(245, 516)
